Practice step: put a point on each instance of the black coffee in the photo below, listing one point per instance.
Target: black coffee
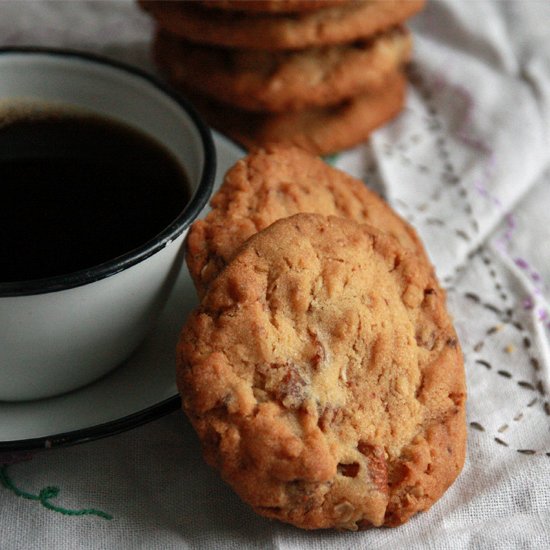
(79, 190)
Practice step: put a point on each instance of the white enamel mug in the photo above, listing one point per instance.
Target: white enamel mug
(60, 333)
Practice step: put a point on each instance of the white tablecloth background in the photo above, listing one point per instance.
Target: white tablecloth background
(466, 162)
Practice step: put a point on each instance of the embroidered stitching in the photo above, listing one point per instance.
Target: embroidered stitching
(45, 496)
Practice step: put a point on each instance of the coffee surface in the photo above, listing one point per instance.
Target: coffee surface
(78, 190)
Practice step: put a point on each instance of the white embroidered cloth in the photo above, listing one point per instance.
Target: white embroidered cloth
(467, 163)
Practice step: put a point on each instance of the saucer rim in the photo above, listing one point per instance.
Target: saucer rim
(93, 433)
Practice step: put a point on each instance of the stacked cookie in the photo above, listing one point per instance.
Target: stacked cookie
(321, 370)
(320, 74)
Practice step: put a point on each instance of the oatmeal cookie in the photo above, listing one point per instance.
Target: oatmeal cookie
(324, 377)
(319, 130)
(275, 183)
(281, 81)
(332, 25)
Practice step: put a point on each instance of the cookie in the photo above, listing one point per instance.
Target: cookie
(324, 377)
(333, 25)
(275, 183)
(281, 81)
(270, 6)
(319, 130)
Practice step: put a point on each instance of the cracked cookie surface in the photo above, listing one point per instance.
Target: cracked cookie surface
(324, 377)
(275, 183)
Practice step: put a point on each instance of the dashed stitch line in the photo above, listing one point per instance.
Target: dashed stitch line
(434, 221)
(486, 364)
(506, 317)
(521, 383)
(504, 373)
(529, 452)
(449, 174)
(477, 426)
(503, 246)
(402, 156)
(538, 386)
(477, 145)
(530, 300)
(44, 497)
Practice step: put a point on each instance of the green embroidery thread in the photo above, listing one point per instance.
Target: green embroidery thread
(44, 497)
